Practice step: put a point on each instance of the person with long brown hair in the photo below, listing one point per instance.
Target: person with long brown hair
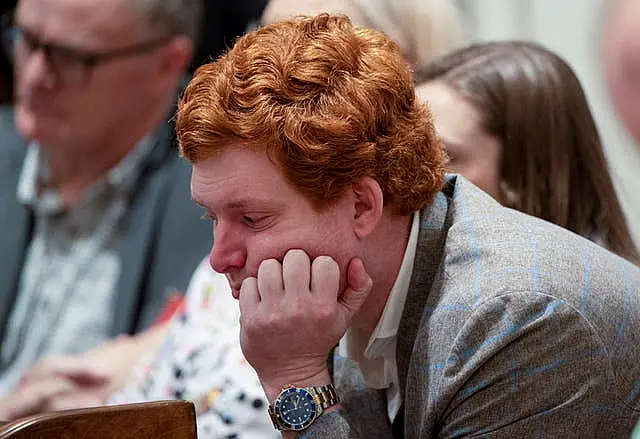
(516, 122)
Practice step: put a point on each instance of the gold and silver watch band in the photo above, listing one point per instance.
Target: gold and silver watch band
(327, 396)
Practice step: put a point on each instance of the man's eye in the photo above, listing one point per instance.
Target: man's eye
(65, 56)
(250, 219)
(254, 220)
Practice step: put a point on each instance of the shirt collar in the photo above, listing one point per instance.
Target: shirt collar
(27, 192)
(33, 187)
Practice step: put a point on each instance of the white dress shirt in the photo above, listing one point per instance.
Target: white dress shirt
(376, 356)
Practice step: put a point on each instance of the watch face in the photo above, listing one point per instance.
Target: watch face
(296, 408)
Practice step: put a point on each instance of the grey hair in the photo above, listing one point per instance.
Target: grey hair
(173, 17)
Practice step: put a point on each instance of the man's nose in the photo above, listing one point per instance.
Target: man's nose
(228, 253)
(34, 70)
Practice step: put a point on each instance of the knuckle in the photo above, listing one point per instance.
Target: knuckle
(251, 329)
(325, 314)
(297, 312)
(261, 323)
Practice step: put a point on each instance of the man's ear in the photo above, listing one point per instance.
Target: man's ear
(368, 205)
(178, 55)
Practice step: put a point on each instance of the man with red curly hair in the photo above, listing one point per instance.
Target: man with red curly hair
(379, 297)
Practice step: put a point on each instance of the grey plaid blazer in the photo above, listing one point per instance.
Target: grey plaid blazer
(512, 328)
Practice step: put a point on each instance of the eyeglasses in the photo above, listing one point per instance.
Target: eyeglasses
(68, 64)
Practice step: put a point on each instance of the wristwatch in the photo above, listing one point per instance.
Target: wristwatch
(296, 408)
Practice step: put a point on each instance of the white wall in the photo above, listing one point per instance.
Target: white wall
(572, 29)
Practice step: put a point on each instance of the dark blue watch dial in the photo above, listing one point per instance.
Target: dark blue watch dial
(296, 407)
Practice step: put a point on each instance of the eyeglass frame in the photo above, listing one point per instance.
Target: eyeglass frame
(87, 59)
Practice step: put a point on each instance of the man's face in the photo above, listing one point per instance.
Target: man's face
(258, 216)
(61, 98)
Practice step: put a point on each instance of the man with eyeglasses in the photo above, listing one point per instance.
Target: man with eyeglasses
(96, 223)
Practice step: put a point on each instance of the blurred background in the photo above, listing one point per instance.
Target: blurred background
(571, 28)
(549, 169)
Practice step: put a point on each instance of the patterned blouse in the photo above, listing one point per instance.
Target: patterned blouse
(201, 361)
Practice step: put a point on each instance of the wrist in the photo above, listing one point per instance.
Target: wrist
(272, 386)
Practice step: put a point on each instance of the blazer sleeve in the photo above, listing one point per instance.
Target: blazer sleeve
(332, 424)
(528, 365)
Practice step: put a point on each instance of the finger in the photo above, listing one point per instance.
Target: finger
(270, 284)
(359, 285)
(296, 272)
(42, 370)
(76, 368)
(325, 277)
(249, 296)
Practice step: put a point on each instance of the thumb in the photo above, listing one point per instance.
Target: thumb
(359, 285)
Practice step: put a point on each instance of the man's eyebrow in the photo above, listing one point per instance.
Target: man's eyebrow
(252, 203)
(240, 204)
(32, 32)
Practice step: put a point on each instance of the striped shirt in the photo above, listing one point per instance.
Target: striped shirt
(66, 291)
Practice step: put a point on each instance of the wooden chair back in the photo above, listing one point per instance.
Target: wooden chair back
(149, 420)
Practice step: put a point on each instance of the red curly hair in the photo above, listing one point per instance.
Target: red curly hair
(331, 104)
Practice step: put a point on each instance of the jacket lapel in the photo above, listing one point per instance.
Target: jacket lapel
(434, 223)
(16, 225)
(138, 232)
(15, 218)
